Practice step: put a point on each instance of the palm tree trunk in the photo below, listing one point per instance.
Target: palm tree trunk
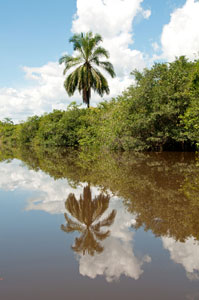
(89, 96)
(86, 96)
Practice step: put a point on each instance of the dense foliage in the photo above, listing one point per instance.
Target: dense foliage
(160, 111)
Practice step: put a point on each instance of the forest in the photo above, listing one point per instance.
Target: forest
(158, 112)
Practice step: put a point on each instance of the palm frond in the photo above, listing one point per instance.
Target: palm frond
(100, 205)
(71, 225)
(107, 221)
(70, 62)
(87, 243)
(99, 52)
(102, 235)
(64, 59)
(89, 43)
(97, 38)
(71, 82)
(77, 40)
(99, 83)
(108, 67)
(72, 206)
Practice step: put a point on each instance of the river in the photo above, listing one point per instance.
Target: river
(82, 226)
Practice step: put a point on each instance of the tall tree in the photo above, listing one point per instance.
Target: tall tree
(86, 61)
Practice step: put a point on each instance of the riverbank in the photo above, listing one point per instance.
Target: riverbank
(160, 112)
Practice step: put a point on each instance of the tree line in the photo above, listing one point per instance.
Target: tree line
(159, 111)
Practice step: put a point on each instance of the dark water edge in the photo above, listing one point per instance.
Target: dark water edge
(99, 225)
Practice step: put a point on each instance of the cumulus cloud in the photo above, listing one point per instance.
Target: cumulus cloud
(186, 254)
(105, 17)
(155, 46)
(181, 36)
(46, 91)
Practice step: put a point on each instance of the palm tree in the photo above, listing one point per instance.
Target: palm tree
(87, 213)
(87, 76)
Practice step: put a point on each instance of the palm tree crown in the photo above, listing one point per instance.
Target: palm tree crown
(86, 75)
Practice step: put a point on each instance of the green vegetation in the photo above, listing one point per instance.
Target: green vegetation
(159, 112)
(86, 76)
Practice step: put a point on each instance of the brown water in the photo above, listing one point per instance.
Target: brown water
(76, 226)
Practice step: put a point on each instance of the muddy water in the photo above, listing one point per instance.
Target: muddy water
(122, 226)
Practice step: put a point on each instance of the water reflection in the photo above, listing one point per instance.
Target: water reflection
(87, 212)
(157, 192)
(118, 257)
(161, 189)
(108, 253)
(185, 253)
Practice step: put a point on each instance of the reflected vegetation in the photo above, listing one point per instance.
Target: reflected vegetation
(161, 189)
(87, 213)
(155, 191)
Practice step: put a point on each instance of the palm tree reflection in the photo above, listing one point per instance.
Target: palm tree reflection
(87, 212)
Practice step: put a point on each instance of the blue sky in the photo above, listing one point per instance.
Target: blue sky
(34, 34)
(150, 30)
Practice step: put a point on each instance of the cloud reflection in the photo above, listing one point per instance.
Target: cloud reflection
(184, 253)
(50, 194)
(118, 257)
(116, 260)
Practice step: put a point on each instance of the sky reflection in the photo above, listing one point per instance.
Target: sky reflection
(118, 256)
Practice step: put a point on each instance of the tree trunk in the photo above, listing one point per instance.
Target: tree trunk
(86, 96)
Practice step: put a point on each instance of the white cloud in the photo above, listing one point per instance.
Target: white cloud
(155, 46)
(105, 17)
(181, 36)
(113, 20)
(146, 13)
(45, 94)
(186, 254)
